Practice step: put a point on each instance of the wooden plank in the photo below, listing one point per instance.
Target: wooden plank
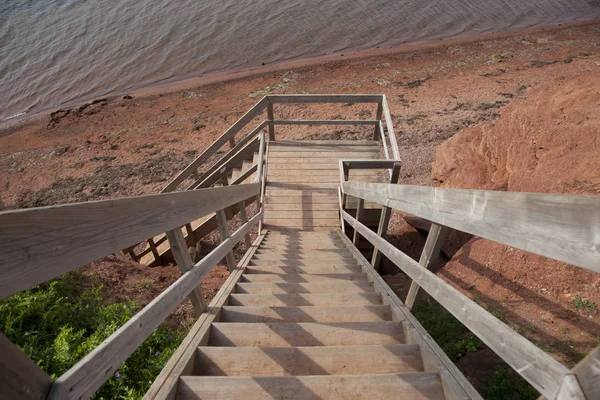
(542, 371)
(324, 122)
(359, 142)
(20, 378)
(39, 244)
(239, 146)
(455, 385)
(255, 111)
(390, 129)
(306, 314)
(305, 299)
(270, 117)
(370, 164)
(429, 256)
(182, 361)
(359, 209)
(233, 161)
(222, 220)
(305, 334)
(325, 98)
(185, 263)
(299, 361)
(413, 386)
(323, 155)
(302, 214)
(587, 372)
(301, 207)
(302, 269)
(85, 377)
(302, 223)
(244, 218)
(289, 288)
(303, 278)
(325, 148)
(330, 165)
(563, 227)
(382, 228)
(323, 179)
(379, 129)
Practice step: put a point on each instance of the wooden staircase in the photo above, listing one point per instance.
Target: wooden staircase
(304, 321)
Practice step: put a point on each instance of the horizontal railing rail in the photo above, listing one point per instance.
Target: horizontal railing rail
(563, 227)
(40, 244)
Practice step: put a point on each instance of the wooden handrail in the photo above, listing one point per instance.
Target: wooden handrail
(325, 98)
(255, 111)
(390, 128)
(42, 243)
(541, 370)
(85, 377)
(563, 227)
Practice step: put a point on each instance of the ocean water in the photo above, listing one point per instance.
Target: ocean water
(57, 52)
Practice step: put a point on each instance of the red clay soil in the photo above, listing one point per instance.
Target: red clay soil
(548, 142)
(130, 146)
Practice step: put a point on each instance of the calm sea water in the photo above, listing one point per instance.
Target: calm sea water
(56, 52)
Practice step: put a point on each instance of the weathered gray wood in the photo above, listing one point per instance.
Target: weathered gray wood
(185, 263)
(217, 144)
(20, 378)
(42, 243)
(379, 128)
(456, 386)
(563, 227)
(384, 142)
(429, 256)
(85, 377)
(341, 207)
(370, 164)
(325, 98)
(384, 221)
(359, 209)
(182, 362)
(263, 161)
(222, 220)
(325, 122)
(390, 129)
(270, 117)
(231, 162)
(587, 372)
(244, 218)
(261, 158)
(239, 146)
(542, 371)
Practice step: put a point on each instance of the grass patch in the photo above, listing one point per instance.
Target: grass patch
(57, 323)
(584, 304)
(504, 383)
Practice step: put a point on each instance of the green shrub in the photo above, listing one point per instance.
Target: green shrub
(57, 323)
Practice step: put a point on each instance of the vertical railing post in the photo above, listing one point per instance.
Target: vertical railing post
(270, 117)
(342, 224)
(244, 217)
(378, 128)
(429, 256)
(359, 210)
(261, 178)
(154, 250)
(384, 221)
(222, 221)
(185, 263)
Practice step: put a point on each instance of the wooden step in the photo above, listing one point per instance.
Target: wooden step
(323, 148)
(314, 270)
(283, 334)
(302, 207)
(331, 165)
(342, 262)
(413, 386)
(292, 252)
(279, 288)
(329, 224)
(306, 314)
(305, 256)
(303, 278)
(303, 299)
(331, 197)
(299, 361)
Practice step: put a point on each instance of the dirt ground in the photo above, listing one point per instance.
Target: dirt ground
(134, 144)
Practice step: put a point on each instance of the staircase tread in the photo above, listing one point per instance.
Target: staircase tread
(324, 314)
(413, 386)
(304, 299)
(304, 278)
(299, 361)
(328, 287)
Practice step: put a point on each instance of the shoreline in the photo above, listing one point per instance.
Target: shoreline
(333, 59)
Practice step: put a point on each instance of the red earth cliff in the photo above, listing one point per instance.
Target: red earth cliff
(548, 142)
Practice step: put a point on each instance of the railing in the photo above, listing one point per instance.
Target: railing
(40, 244)
(562, 227)
(242, 147)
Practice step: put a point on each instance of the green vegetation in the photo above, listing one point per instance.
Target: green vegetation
(59, 322)
(456, 341)
(584, 305)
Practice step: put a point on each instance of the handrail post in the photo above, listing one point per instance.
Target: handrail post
(185, 263)
(359, 210)
(429, 256)
(270, 117)
(261, 177)
(222, 220)
(244, 217)
(378, 117)
(384, 221)
(340, 201)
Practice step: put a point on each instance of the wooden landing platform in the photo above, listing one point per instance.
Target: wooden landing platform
(303, 179)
